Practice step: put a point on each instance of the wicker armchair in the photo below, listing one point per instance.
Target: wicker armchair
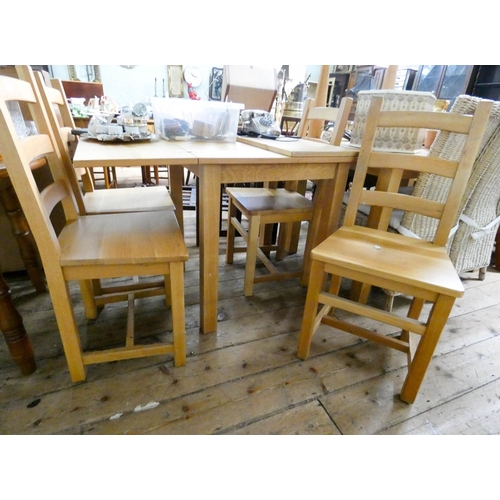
(471, 244)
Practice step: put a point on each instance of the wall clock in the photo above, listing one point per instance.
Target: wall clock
(193, 76)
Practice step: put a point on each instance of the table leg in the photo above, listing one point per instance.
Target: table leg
(339, 189)
(327, 206)
(209, 192)
(317, 225)
(175, 181)
(11, 324)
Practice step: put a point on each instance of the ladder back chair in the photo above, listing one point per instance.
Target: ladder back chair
(339, 116)
(93, 247)
(471, 244)
(326, 115)
(376, 257)
(266, 206)
(92, 201)
(10, 203)
(472, 239)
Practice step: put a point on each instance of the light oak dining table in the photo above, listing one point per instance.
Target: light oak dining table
(219, 163)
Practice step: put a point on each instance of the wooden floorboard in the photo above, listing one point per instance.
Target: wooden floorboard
(246, 379)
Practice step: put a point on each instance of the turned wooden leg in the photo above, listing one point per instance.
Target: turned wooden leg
(11, 324)
(21, 231)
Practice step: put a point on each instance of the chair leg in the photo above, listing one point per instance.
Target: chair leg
(482, 273)
(66, 322)
(178, 314)
(284, 235)
(114, 178)
(105, 172)
(168, 290)
(231, 232)
(110, 179)
(359, 292)
(425, 350)
(88, 299)
(146, 175)
(335, 283)
(251, 261)
(389, 301)
(309, 323)
(414, 312)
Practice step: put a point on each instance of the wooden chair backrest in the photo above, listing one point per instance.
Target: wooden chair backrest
(55, 107)
(66, 118)
(338, 115)
(68, 121)
(19, 152)
(10, 70)
(386, 197)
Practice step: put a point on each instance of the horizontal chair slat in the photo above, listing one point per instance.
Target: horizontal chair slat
(53, 194)
(54, 95)
(403, 202)
(424, 164)
(451, 122)
(35, 146)
(13, 91)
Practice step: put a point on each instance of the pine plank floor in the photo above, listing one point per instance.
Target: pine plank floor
(246, 378)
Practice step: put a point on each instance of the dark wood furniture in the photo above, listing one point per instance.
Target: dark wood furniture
(485, 82)
(20, 228)
(82, 89)
(11, 324)
(405, 78)
(343, 82)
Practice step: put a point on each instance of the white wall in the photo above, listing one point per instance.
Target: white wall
(137, 84)
(128, 86)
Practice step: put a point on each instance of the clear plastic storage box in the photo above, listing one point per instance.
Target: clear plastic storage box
(186, 119)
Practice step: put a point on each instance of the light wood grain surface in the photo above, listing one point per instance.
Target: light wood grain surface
(300, 147)
(247, 378)
(93, 153)
(219, 163)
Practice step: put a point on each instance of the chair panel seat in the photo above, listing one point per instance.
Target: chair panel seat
(259, 201)
(132, 238)
(391, 256)
(128, 200)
